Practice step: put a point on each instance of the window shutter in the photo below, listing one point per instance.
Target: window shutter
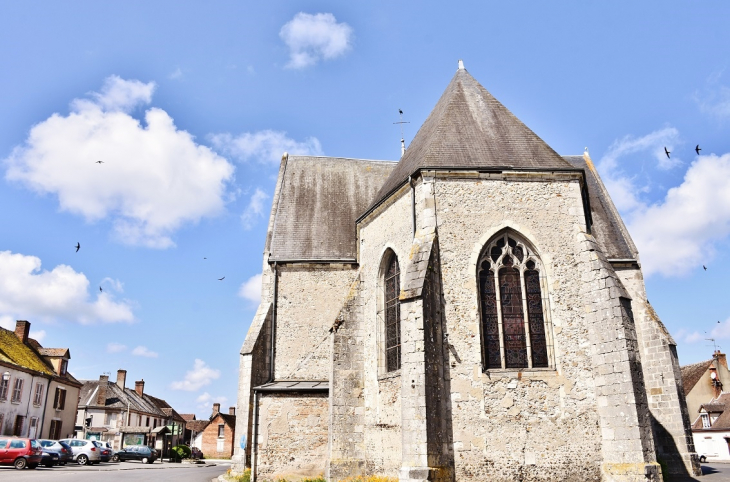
(62, 401)
(56, 398)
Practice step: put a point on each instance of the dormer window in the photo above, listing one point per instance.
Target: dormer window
(64, 367)
(705, 420)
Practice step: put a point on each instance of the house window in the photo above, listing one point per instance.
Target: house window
(139, 420)
(4, 384)
(147, 422)
(705, 420)
(64, 367)
(221, 430)
(107, 418)
(38, 398)
(512, 317)
(17, 390)
(55, 431)
(59, 400)
(391, 308)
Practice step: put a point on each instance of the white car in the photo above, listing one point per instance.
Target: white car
(85, 452)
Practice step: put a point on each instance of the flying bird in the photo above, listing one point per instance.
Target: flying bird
(78, 246)
(400, 111)
(100, 162)
(221, 279)
(205, 258)
(666, 152)
(698, 149)
(705, 267)
(100, 290)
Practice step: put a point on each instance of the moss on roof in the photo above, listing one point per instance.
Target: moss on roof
(13, 351)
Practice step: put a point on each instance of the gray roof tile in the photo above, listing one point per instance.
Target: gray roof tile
(321, 197)
(469, 128)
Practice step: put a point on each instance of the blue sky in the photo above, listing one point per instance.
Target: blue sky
(189, 106)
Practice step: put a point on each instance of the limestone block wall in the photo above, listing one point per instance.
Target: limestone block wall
(292, 435)
(670, 419)
(390, 228)
(529, 425)
(309, 296)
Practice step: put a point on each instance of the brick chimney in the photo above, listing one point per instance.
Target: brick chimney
(231, 410)
(101, 393)
(216, 408)
(121, 378)
(721, 359)
(139, 387)
(22, 328)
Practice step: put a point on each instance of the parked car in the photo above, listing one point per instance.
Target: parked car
(195, 453)
(138, 452)
(112, 453)
(20, 452)
(105, 452)
(65, 454)
(84, 451)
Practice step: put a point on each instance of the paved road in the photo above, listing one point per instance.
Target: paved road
(123, 471)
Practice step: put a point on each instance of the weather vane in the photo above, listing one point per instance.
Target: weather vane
(402, 140)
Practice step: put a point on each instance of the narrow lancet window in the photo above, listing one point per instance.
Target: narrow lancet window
(490, 318)
(514, 333)
(392, 315)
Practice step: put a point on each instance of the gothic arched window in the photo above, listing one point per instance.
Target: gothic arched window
(391, 287)
(512, 319)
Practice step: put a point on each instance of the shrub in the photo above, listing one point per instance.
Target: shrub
(180, 452)
(244, 477)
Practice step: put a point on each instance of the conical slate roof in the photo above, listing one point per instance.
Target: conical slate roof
(469, 128)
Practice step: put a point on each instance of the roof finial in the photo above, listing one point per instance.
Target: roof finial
(461, 65)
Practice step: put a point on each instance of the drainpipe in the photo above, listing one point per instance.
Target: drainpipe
(413, 205)
(45, 405)
(254, 444)
(27, 407)
(273, 323)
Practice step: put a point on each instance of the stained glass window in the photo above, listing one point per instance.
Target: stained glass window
(490, 319)
(509, 333)
(392, 315)
(536, 321)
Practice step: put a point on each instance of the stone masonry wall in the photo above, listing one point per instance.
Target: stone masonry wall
(529, 424)
(309, 298)
(391, 228)
(292, 435)
(347, 408)
(670, 419)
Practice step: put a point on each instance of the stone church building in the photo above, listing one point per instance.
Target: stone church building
(475, 311)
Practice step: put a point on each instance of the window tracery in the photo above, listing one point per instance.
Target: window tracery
(512, 317)
(391, 285)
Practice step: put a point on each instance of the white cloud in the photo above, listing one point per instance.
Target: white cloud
(677, 234)
(200, 376)
(38, 335)
(265, 146)
(721, 331)
(312, 38)
(29, 293)
(206, 401)
(154, 178)
(176, 75)
(251, 289)
(714, 100)
(115, 284)
(145, 352)
(254, 210)
(115, 347)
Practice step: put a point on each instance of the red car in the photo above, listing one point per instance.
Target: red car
(20, 452)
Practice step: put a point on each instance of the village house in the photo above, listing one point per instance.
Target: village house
(475, 311)
(38, 396)
(219, 434)
(111, 412)
(704, 381)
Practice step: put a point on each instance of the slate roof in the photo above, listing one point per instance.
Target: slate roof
(165, 407)
(691, 374)
(469, 128)
(321, 198)
(117, 398)
(13, 351)
(608, 228)
(55, 352)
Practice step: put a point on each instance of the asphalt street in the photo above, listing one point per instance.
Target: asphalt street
(123, 471)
